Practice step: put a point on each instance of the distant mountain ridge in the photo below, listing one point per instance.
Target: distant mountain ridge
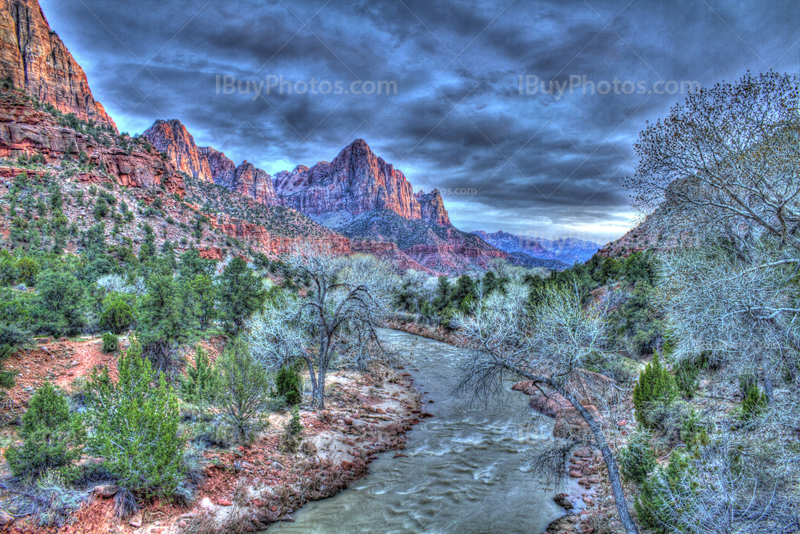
(565, 250)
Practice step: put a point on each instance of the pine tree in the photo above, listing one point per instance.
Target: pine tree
(135, 423)
(655, 390)
(241, 294)
(52, 436)
(636, 459)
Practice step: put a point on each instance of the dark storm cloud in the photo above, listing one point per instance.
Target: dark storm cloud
(546, 163)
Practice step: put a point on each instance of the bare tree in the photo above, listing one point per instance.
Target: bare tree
(332, 321)
(727, 158)
(547, 345)
(738, 486)
(742, 315)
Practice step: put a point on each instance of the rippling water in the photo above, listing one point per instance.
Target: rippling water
(467, 469)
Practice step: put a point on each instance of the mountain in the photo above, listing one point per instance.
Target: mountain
(33, 58)
(357, 195)
(567, 251)
(355, 182)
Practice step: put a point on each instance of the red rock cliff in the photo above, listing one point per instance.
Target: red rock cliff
(33, 57)
(26, 130)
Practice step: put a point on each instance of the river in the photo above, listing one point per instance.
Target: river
(467, 471)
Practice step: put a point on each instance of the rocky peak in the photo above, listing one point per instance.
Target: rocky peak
(172, 138)
(254, 183)
(357, 181)
(432, 207)
(33, 58)
(209, 164)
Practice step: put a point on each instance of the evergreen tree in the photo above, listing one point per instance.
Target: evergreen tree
(193, 265)
(61, 308)
(201, 299)
(241, 294)
(289, 384)
(655, 390)
(52, 437)
(162, 320)
(244, 389)
(135, 423)
(656, 501)
(117, 315)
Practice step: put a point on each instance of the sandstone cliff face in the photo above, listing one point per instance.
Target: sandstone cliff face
(26, 130)
(357, 181)
(33, 57)
(223, 169)
(254, 183)
(172, 138)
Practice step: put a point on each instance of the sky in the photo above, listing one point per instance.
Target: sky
(456, 94)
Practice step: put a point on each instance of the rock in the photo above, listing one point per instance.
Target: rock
(224, 502)
(400, 455)
(172, 138)
(136, 520)
(575, 474)
(206, 504)
(393, 429)
(105, 491)
(562, 500)
(588, 501)
(287, 519)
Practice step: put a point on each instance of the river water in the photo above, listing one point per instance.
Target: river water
(468, 468)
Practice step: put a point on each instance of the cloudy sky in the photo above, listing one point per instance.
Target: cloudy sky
(468, 116)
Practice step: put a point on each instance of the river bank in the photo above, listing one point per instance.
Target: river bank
(245, 488)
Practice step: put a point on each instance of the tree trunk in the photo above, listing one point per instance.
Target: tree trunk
(608, 456)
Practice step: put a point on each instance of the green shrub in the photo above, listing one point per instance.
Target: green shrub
(244, 390)
(656, 500)
(654, 391)
(117, 315)
(12, 338)
(52, 437)
(135, 424)
(686, 375)
(289, 384)
(693, 432)
(293, 433)
(636, 459)
(201, 382)
(754, 403)
(110, 343)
